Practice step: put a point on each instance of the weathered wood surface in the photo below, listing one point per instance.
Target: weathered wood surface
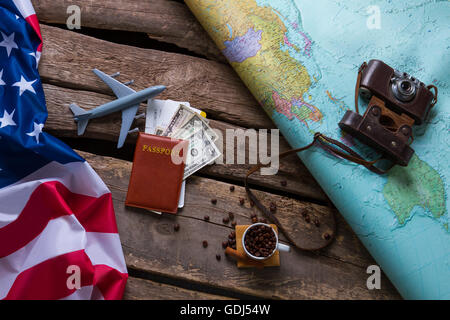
(60, 123)
(151, 245)
(163, 20)
(213, 87)
(141, 289)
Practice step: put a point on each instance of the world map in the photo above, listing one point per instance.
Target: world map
(300, 60)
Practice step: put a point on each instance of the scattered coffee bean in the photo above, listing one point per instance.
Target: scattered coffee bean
(213, 201)
(252, 204)
(241, 201)
(233, 246)
(260, 241)
(205, 243)
(218, 257)
(255, 220)
(206, 218)
(273, 207)
(303, 212)
(230, 237)
(226, 220)
(307, 219)
(233, 224)
(231, 188)
(326, 236)
(225, 244)
(231, 215)
(233, 235)
(317, 223)
(263, 220)
(253, 215)
(284, 183)
(176, 227)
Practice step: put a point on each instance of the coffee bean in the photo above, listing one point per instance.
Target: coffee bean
(241, 201)
(263, 220)
(252, 204)
(206, 218)
(226, 220)
(205, 243)
(218, 257)
(176, 227)
(254, 220)
(253, 215)
(273, 207)
(284, 183)
(233, 224)
(307, 219)
(231, 188)
(231, 215)
(225, 244)
(213, 201)
(233, 235)
(326, 236)
(303, 212)
(317, 223)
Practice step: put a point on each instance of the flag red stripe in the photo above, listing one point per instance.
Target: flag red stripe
(51, 200)
(48, 280)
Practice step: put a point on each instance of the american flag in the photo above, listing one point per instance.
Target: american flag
(57, 219)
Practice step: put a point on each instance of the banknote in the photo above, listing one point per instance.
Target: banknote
(194, 123)
(182, 114)
(201, 152)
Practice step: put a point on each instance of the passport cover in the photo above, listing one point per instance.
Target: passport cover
(155, 181)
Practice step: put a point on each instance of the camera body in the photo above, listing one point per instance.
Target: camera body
(397, 101)
(401, 92)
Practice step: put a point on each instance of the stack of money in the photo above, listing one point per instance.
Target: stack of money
(186, 123)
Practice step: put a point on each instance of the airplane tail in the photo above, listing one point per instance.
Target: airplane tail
(81, 116)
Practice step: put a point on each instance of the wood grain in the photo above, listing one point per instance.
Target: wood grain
(163, 20)
(151, 245)
(142, 289)
(60, 123)
(68, 59)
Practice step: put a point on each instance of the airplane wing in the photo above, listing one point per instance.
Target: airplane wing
(127, 120)
(119, 89)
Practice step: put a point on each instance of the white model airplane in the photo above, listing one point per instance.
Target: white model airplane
(128, 101)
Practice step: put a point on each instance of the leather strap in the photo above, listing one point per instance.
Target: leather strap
(358, 84)
(329, 145)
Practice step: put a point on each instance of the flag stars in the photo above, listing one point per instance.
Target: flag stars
(8, 43)
(37, 131)
(7, 119)
(34, 55)
(2, 83)
(24, 85)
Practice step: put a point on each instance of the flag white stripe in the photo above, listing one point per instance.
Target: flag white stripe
(85, 293)
(62, 235)
(105, 248)
(78, 177)
(25, 7)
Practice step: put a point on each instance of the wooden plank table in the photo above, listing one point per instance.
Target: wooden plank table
(160, 42)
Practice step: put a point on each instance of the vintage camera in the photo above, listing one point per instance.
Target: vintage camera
(397, 101)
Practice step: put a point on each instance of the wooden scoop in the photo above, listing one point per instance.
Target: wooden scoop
(242, 257)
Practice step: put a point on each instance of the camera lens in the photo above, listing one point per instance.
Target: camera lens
(404, 89)
(405, 85)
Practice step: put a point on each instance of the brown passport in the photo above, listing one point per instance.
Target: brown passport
(155, 182)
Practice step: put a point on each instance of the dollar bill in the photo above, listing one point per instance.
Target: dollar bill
(194, 123)
(159, 131)
(201, 152)
(182, 114)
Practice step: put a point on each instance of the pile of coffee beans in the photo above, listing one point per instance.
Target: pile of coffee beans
(260, 241)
